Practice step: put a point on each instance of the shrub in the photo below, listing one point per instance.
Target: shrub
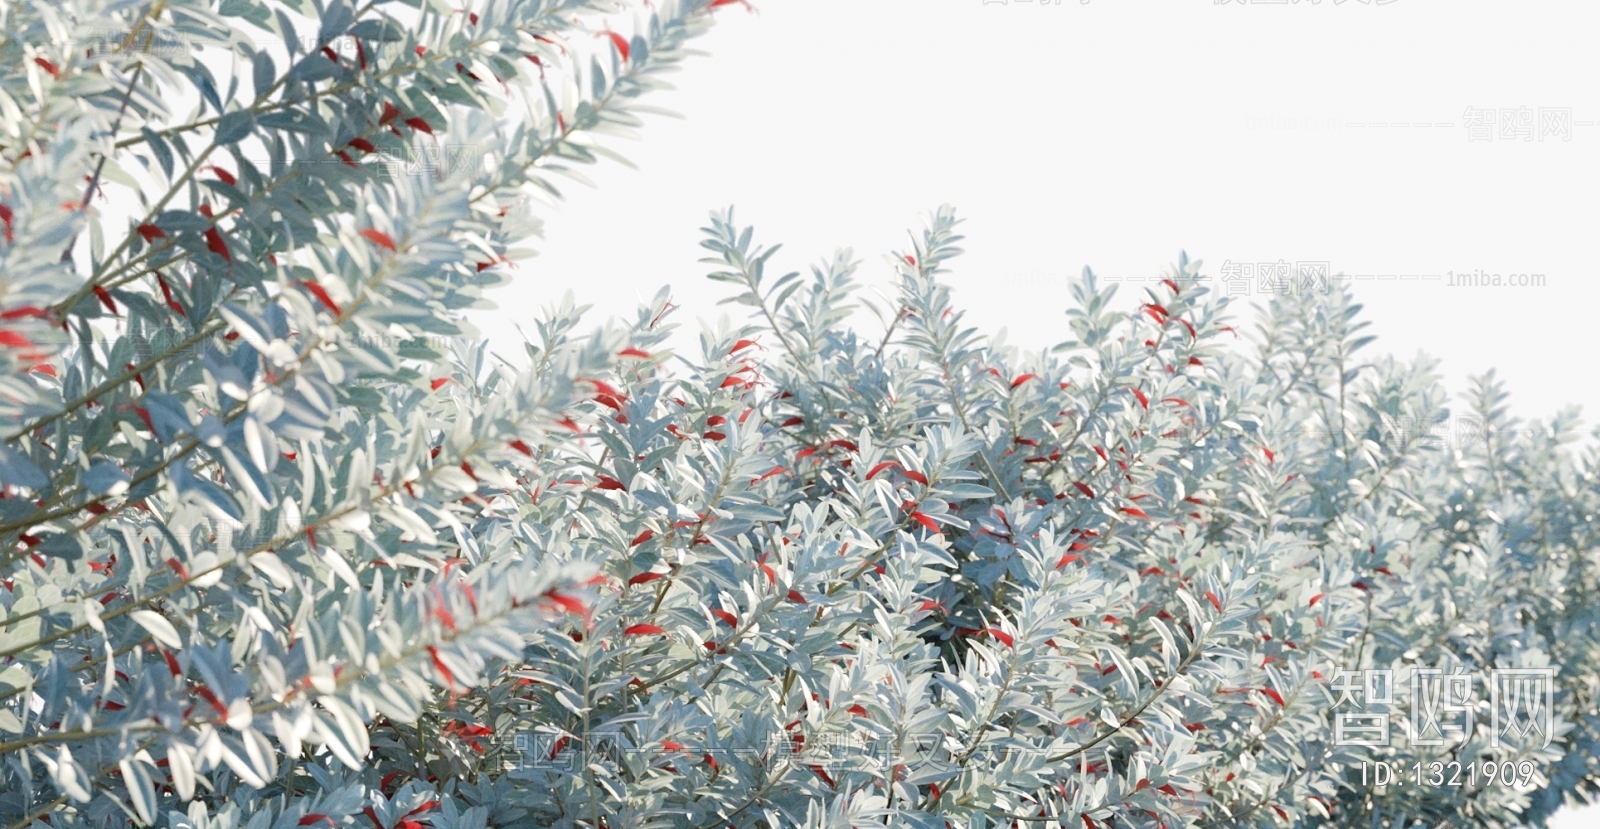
(285, 547)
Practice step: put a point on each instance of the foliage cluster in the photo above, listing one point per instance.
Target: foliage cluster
(283, 545)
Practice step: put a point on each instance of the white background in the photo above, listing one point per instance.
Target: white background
(1114, 134)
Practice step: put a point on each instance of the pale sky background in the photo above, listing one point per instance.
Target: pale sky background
(1114, 135)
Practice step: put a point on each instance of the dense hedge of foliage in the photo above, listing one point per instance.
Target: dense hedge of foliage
(284, 546)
